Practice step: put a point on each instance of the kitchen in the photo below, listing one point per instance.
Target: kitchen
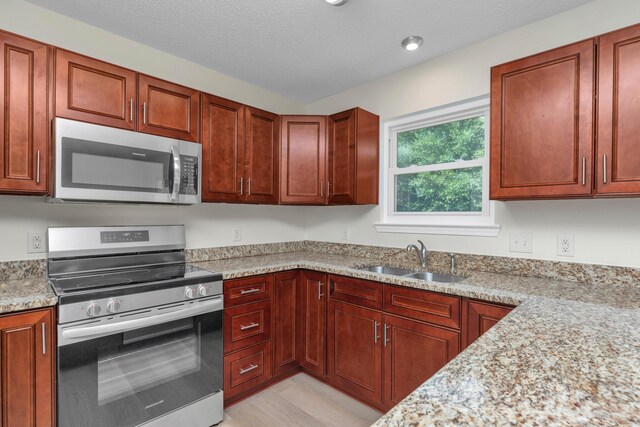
(604, 229)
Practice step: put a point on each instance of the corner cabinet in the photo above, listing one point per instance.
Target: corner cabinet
(542, 124)
(313, 322)
(353, 157)
(27, 366)
(24, 154)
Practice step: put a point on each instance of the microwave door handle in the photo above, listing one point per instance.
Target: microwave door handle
(175, 157)
(84, 333)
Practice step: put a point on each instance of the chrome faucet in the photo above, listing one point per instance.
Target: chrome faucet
(422, 253)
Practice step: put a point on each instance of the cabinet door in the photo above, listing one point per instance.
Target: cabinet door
(24, 153)
(353, 160)
(413, 352)
(542, 125)
(94, 91)
(355, 351)
(313, 319)
(618, 162)
(286, 301)
(27, 364)
(481, 316)
(222, 149)
(303, 165)
(262, 156)
(168, 109)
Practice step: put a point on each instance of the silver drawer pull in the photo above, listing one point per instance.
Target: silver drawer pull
(44, 339)
(131, 110)
(604, 168)
(38, 167)
(249, 291)
(584, 171)
(249, 369)
(251, 326)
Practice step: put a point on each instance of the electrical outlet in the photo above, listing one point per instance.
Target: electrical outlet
(345, 233)
(237, 235)
(566, 245)
(521, 242)
(35, 243)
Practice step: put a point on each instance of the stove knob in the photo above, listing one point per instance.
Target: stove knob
(203, 291)
(113, 306)
(93, 309)
(190, 292)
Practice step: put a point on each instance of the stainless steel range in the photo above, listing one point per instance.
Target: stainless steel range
(139, 330)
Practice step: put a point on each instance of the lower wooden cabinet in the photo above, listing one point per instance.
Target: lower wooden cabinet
(27, 367)
(413, 352)
(313, 322)
(246, 370)
(355, 350)
(481, 316)
(287, 346)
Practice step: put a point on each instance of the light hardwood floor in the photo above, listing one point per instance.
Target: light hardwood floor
(299, 401)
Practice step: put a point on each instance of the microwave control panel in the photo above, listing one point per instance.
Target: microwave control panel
(189, 175)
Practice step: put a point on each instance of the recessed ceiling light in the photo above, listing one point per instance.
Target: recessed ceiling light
(336, 2)
(412, 43)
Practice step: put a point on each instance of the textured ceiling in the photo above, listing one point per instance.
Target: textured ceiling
(306, 49)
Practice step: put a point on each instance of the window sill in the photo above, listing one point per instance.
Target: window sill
(446, 229)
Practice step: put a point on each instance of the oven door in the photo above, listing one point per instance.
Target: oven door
(105, 164)
(130, 372)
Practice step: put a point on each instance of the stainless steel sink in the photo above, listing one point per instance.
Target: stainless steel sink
(434, 277)
(383, 269)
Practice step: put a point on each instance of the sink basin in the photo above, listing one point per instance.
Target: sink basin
(383, 269)
(434, 277)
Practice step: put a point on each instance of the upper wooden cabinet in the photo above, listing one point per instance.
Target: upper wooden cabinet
(303, 178)
(262, 160)
(24, 153)
(353, 157)
(168, 109)
(618, 161)
(27, 364)
(98, 92)
(239, 152)
(94, 91)
(542, 124)
(222, 150)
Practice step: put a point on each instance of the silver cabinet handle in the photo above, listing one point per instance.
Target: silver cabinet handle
(386, 335)
(375, 332)
(584, 171)
(241, 185)
(38, 167)
(131, 110)
(175, 154)
(249, 369)
(44, 339)
(144, 113)
(250, 326)
(248, 186)
(249, 291)
(604, 168)
(320, 294)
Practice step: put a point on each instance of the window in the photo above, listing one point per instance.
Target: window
(436, 175)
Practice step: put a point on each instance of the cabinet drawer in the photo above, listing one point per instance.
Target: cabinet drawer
(423, 305)
(247, 289)
(247, 369)
(246, 325)
(356, 291)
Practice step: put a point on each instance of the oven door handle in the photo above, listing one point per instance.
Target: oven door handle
(83, 333)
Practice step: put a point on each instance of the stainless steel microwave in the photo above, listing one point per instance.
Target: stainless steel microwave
(103, 164)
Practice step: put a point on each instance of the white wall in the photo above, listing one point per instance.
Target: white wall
(207, 225)
(606, 231)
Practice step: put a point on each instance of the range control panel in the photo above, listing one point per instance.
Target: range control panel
(124, 236)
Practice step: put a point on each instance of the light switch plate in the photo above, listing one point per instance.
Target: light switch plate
(521, 242)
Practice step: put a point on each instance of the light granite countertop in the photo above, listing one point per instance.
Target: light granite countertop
(569, 354)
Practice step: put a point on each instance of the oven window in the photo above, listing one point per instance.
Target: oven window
(148, 357)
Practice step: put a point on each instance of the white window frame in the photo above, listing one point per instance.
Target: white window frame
(451, 223)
